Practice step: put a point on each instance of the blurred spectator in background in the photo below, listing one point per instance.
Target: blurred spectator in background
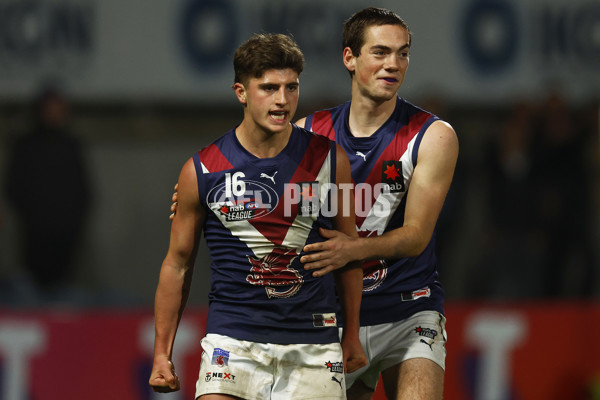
(47, 187)
(541, 242)
(513, 244)
(562, 196)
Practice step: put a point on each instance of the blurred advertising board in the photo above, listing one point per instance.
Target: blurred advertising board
(464, 50)
(528, 352)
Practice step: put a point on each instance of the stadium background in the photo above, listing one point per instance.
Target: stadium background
(149, 84)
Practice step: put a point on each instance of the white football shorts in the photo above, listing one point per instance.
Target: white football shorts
(422, 335)
(263, 371)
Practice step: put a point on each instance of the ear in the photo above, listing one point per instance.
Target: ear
(240, 92)
(349, 59)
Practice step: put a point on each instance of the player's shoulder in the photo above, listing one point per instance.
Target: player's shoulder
(312, 135)
(218, 155)
(325, 117)
(216, 145)
(409, 108)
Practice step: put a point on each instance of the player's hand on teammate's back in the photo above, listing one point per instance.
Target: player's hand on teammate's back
(329, 255)
(163, 378)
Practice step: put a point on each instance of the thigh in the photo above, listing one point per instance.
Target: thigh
(359, 391)
(414, 379)
(422, 335)
(389, 346)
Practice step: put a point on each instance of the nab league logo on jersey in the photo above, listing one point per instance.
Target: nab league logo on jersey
(391, 174)
(238, 199)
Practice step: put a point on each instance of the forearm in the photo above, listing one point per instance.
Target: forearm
(398, 243)
(349, 285)
(171, 297)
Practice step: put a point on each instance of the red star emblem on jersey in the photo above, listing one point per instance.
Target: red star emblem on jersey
(307, 192)
(391, 172)
(224, 209)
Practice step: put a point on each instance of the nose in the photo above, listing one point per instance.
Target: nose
(391, 62)
(281, 96)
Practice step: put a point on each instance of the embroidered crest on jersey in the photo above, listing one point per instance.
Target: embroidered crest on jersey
(374, 271)
(391, 174)
(275, 273)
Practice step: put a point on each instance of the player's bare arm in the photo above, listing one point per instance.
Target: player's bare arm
(431, 181)
(348, 280)
(175, 279)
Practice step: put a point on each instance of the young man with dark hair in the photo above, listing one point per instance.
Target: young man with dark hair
(402, 160)
(272, 326)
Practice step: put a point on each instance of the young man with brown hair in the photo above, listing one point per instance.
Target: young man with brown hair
(272, 327)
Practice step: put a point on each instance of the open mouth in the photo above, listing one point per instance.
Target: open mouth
(390, 80)
(278, 115)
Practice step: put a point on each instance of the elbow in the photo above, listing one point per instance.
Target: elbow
(417, 245)
(415, 250)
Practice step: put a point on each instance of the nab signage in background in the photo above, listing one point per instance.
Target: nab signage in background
(56, 36)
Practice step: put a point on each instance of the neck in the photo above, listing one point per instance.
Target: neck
(261, 143)
(367, 115)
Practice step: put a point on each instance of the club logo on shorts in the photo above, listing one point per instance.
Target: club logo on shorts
(220, 357)
(324, 320)
(391, 174)
(427, 332)
(337, 367)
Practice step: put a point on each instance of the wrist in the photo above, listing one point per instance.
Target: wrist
(359, 249)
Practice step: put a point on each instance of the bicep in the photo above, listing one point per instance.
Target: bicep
(432, 177)
(186, 227)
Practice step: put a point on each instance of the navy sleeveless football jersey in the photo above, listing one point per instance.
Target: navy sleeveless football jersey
(260, 213)
(382, 167)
